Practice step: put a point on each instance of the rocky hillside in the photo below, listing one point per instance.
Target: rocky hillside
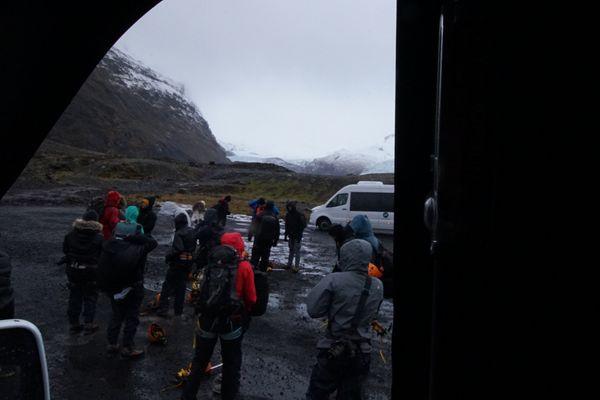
(127, 109)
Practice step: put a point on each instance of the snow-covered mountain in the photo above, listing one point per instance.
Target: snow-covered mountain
(373, 159)
(128, 109)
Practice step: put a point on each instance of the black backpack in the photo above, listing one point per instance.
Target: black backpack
(217, 297)
(261, 283)
(267, 229)
(387, 262)
(118, 264)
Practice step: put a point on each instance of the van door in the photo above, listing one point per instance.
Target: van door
(337, 209)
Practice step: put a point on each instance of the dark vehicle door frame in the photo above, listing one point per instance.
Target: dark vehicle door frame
(461, 311)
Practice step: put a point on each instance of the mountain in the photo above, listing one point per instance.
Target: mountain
(239, 154)
(127, 109)
(373, 159)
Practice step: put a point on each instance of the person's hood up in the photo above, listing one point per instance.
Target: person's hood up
(291, 206)
(234, 239)
(181, 221)
(355, 255)
(87, 226)
(112, 199)
(361, 226)
(131, 214)
(210, 216)
(151, 201)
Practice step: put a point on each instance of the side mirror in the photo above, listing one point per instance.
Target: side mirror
(23, 369)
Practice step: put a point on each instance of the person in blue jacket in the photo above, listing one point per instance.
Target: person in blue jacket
(255, 205)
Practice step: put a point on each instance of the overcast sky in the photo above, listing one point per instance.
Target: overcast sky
(295, 79)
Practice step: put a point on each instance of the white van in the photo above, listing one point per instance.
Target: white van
(370, 198)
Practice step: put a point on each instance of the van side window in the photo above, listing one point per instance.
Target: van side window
(379, 202)
(338, 200)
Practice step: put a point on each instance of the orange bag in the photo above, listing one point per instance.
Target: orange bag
(375, 271)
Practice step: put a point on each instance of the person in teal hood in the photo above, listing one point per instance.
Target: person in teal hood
(361, 226)
(130, 226)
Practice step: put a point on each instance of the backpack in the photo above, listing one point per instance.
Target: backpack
(266, 230)
(261, 283)
(217, 297)
(118, 265)
(387, 262)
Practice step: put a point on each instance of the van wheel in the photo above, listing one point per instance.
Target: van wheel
(324, 223)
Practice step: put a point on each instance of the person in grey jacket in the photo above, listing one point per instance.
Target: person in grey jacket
(343, 360)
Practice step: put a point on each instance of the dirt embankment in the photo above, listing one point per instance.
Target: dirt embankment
(60, 174)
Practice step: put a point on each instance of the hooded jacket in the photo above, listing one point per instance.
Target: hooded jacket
(6, 291)
(244, 281)
(337, 295)
(295, 222)
(110, 215)
(184, 241)
(83, 244)
(129, 226)
(147, 217)
(361, 226)
(267, 228)
(122, 261)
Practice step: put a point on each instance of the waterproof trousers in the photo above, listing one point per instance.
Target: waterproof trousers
(294, 246)
(174, 285)
(231, 354)
(125, 313)
(346, 376)
(82, 295)
(260, 256)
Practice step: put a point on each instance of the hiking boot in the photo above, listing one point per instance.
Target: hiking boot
(295, 270)
(90, 328)
(112, 348)
(75, 328)
(269, 268)
(130, 352)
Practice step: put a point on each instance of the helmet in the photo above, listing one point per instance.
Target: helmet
(156, 334)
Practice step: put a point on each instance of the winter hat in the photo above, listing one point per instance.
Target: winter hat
(90, 215)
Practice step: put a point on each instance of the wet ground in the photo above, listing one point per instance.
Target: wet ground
(279, 347)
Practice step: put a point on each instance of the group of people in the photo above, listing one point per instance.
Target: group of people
(106, 251)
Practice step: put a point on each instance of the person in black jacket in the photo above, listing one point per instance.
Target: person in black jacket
(7, 301)
(266, 236)
(147, 217)
(222, 208)
(295, 223)
(180, 260)
(82, 247)
(208, 235)
(121, 276)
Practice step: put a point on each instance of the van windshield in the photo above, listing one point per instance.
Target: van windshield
(338, 200)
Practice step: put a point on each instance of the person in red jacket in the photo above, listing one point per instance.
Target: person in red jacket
(110, 216)
(229, 329)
